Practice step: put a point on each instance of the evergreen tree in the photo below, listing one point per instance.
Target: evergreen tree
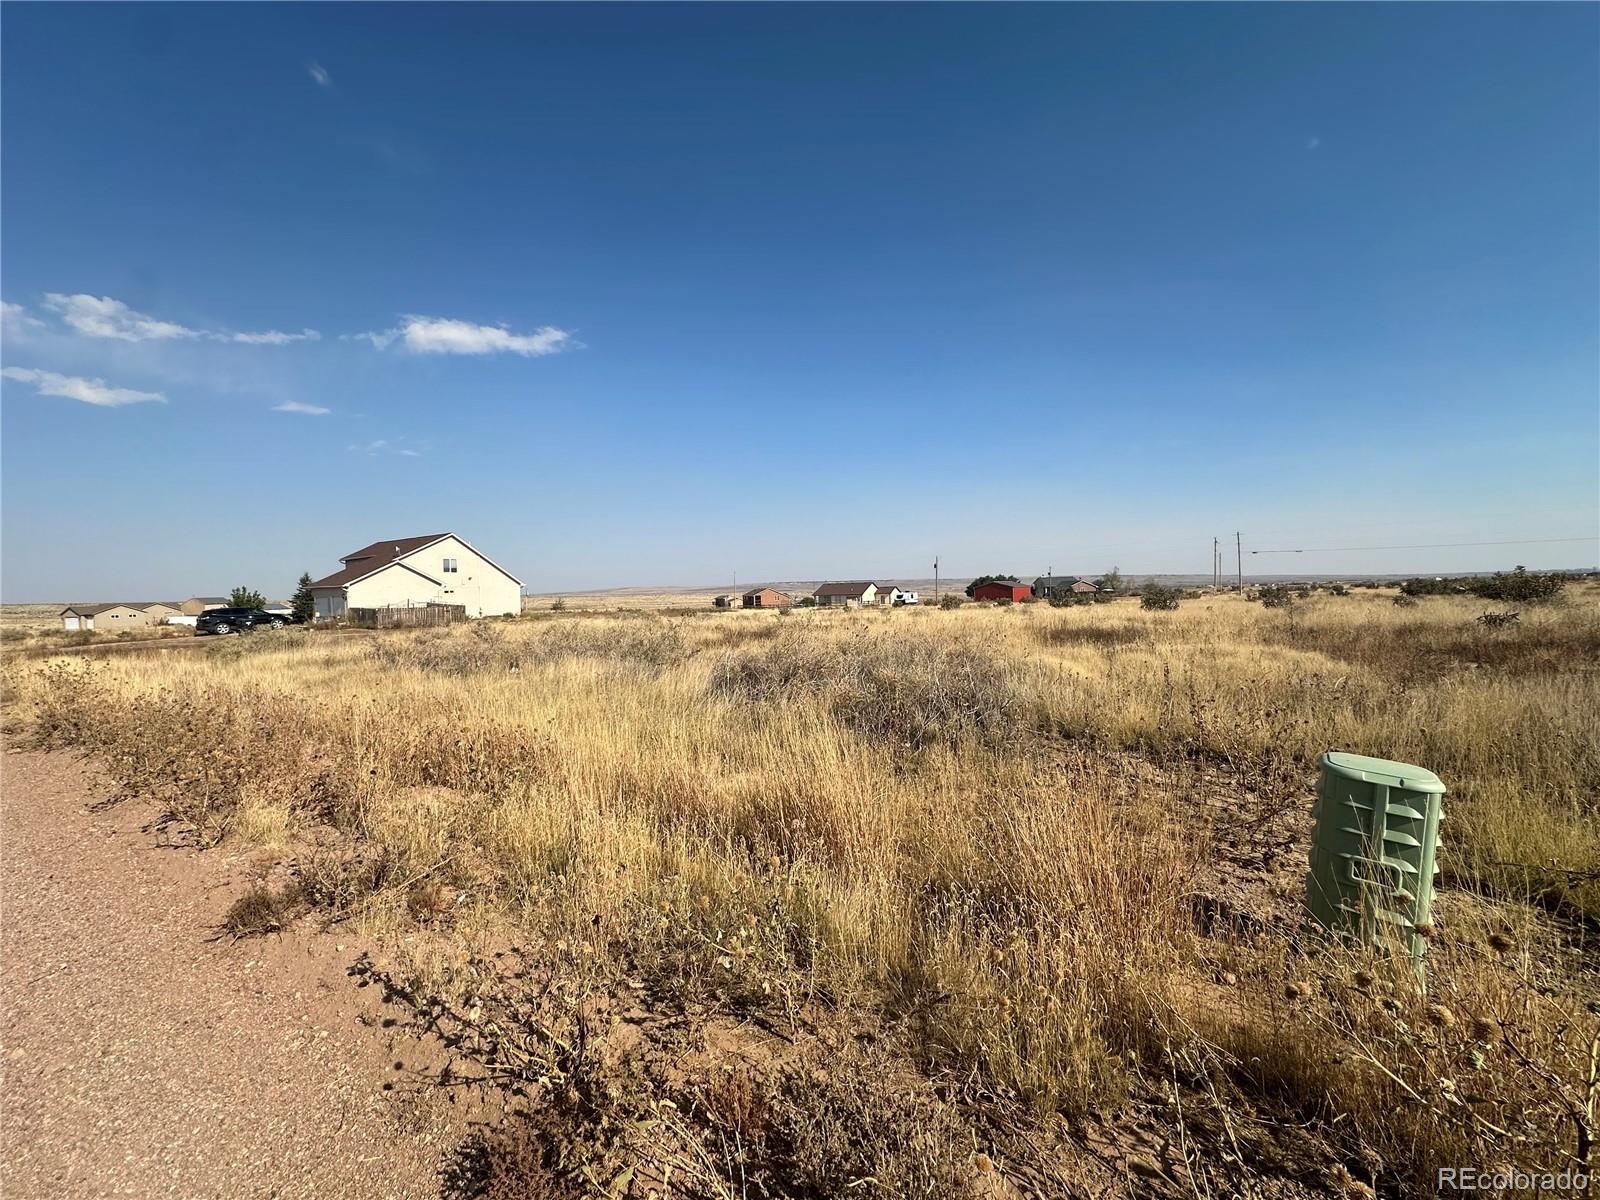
(243, 597)
(303, 606)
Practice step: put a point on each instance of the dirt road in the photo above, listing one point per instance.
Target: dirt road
(141, 1058)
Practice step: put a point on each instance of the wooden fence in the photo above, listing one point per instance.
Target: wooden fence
(415, 616)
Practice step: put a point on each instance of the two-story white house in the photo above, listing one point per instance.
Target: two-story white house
(438, 568)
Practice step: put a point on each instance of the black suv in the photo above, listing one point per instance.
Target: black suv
(236, 620)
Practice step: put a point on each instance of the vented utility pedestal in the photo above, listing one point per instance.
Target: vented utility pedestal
(1374, 850)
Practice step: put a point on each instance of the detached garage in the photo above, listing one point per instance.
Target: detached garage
(1002, 589)
(104, 616)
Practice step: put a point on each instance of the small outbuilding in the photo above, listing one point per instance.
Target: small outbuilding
(1002, 589)
(766, 597)
(195, 605)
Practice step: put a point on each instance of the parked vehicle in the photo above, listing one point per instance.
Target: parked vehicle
(237, 620)
(908, 598)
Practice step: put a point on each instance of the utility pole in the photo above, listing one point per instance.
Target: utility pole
(1214, 565)
(936, 580)
(1238, 549)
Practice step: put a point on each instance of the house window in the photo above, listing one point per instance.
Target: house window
(449, 566)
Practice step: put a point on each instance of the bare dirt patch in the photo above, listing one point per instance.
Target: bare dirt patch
(145, 1056)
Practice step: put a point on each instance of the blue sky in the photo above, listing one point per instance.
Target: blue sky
(644, 295)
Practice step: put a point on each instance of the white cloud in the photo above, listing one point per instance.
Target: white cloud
(385, 446)
(271, 337)
(442, 335)
(295, 406)
(320, 73)
(103, 317)
(73, 387)
(15, 320)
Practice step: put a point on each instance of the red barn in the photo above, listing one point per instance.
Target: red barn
(1002, 589)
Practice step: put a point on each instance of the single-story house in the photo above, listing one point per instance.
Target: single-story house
(436, 568)
(195, 605)
(725, 601)
(846, 595)
(278, 608)
(104, 617)
(1049, 587)
(888, 595)
(765, 597)
(161, 612)
(1002, 589)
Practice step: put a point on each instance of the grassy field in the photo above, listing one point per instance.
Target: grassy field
(991, 901)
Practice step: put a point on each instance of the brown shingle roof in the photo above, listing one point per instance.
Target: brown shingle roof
(855, 588)
(369, 558)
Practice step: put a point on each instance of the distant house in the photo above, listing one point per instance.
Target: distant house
(195, 605)
(846, 595)
(112, 617)
(888, 595)
(1051, 587)
(1002, 589)
(725, 601)
(765, 597)
(436, 568)
(278, 608)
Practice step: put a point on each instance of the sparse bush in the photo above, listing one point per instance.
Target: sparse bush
(1499, 620)
(949, 600)
(1405, 600)
(1157, 597)
(909, 691)
(806, 602)
(1521, 586)
(261, 910)
(1429, 587)
(1338, 589)
(1275, 595)
(558, 605)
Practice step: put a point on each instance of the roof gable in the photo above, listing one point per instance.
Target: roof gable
(369, 560)
(851, 588)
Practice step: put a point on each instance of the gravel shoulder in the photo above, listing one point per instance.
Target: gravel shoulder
(141, 1056)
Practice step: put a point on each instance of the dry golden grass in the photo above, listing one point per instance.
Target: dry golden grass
(988, 829)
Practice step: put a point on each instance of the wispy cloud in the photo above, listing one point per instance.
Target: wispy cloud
(1313, 143)
(271, 337)
(320, 73)
(385, 446)
(15, 320)
(295, 406)
(73, 387)
(103, 317)
(442, 335)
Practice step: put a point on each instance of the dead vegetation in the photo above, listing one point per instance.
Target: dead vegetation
(949, 901)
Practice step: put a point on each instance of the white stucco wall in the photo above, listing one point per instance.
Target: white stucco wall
(482, 587)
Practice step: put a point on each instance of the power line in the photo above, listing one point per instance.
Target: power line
(1425, 546)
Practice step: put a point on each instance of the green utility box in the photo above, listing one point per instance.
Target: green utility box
(1373, 850)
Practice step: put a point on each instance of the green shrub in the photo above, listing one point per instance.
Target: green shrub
(1275, 595)
(1521, 585)
(1158, 597)
(1428, 587)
